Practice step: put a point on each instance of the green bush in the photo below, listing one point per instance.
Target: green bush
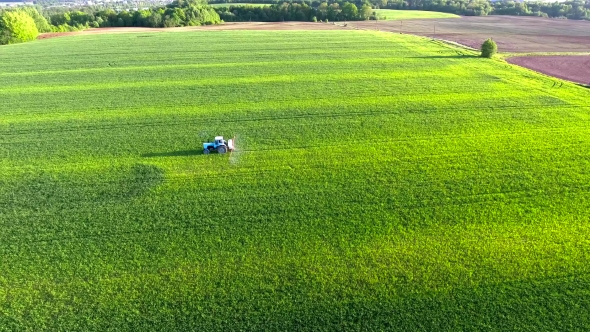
(489, 48)
(17, 27)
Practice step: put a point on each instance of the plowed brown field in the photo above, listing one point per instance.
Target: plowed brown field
(512, 33)
(571, 68)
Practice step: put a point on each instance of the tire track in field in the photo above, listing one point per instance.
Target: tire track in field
(370, 60)
(296, 103)
(325, 77)
(216, 120)
(13, 242)
(251, 172)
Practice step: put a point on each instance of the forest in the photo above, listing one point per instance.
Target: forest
(193, 12)
(577, 10)
(186, 13)
(25, 23)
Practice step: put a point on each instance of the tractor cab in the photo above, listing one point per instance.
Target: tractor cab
(219, 141)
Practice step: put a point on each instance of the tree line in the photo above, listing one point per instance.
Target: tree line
(336, 11)
(25, 23)
(21, 25)
(197, 12)
(177, 13)
(577, 9)
(570, 9)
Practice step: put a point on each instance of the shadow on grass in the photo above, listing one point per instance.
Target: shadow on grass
(465, 56)
(36, 192)
(173, 153)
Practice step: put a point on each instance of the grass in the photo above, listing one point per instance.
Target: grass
(394, 14)
(229, 4)
(382, 182)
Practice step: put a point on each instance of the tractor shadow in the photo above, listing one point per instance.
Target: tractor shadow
(183, 153)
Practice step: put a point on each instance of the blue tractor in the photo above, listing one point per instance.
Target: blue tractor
(219, 144)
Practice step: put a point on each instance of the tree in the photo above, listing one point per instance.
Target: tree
(126, 18)
(60, 19)
(323, 10)
(154, 20)
(349, 11)
(366, 12)
(40, 21)
(17, 27)
(141, 18)
(79, 19)
(489, 48)
(333, 11)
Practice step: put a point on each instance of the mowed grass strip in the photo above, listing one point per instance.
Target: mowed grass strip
(381, 182)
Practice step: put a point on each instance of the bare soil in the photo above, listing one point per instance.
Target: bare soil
(572, 68)
(515, 34)
(225, 26)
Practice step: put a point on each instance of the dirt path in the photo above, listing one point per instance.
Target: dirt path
(225, 26)
(568, 67)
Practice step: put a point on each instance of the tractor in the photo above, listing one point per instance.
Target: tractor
(219, 144)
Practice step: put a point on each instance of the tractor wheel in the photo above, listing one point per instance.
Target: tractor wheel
(206, 151)
(221, 149)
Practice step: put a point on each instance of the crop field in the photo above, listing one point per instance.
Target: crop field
(393, 14)
(381, 182)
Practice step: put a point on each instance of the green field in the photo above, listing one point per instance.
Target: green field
(393, 14)
(239, 4)
(381, 182)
